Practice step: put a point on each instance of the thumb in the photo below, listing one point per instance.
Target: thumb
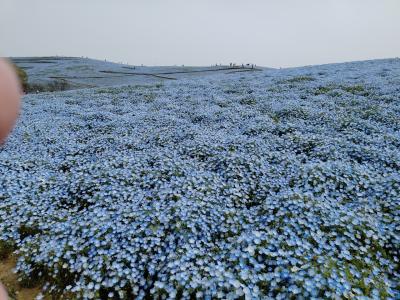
(9, 99)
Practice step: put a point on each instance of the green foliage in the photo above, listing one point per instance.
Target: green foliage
(6, 248)
(35, 278)
(371, 111)
(322, 90)
(231, 91)
(149, 97)
(248, 101)
(275, 118)
(355, 89)
(23, 77)
(52, 86)
(27, 230)
(300, 79)
(159, 85)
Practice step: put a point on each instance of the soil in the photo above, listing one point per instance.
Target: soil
(9, 279)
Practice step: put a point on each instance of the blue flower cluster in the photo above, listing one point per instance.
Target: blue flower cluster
(273, 184)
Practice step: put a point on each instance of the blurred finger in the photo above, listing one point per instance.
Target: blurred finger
(9, 98)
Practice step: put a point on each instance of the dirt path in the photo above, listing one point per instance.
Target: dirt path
(9, 280)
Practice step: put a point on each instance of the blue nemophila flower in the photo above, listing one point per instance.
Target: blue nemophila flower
(195, 189)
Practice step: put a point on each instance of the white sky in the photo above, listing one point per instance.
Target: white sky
(275, 33)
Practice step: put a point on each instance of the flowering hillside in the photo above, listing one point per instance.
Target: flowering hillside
(270, 184)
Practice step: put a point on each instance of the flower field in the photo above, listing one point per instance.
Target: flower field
(271, 184)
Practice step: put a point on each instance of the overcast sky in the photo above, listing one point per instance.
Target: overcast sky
(276, 33)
